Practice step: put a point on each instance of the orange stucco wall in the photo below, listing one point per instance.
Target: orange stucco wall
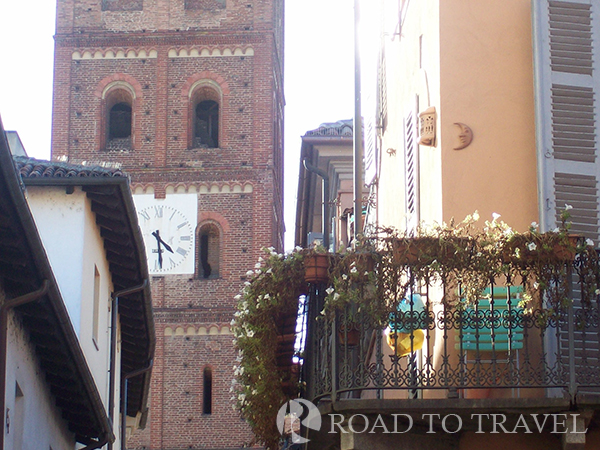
(486, 82)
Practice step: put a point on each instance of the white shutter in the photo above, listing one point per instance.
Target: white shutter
(411, 164)
(567, 92)
(370, 150)
(567, 63)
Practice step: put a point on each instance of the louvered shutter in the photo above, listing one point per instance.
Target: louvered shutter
(382, 91)
(370, 150)
(411, 162)
(567, 63)
(567, 90)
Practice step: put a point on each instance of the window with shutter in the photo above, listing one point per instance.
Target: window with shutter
(567, 85)
(567, 88)
(411, 159)
(381, 92)
(370, 150)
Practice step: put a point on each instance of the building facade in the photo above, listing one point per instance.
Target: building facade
(488, 107)
(77, 331)
(187, 97)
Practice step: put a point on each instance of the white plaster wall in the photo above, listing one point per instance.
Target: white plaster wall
(67, 226)
(43, 425)
(419, 41)
(60, 221)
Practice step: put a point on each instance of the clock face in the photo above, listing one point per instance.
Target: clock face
(168, 238)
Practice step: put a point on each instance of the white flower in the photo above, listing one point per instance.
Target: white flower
(336, 296)
(250, 333)
(534, 225)
(536, 285)
(257, 265)
(297, 248)
(232, 323)
(366, 273)
(476, 216)
(269, 270)
(531, 246)
(329, 290)
(597, 292)
(589, 242)
(556, 230)
(250, 273)
(267, 295)
(344, 276)
(237, 297)
(568, 207)
(353, 270)
(495, 216)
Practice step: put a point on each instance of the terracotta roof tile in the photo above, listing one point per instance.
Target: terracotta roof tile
(36, 168)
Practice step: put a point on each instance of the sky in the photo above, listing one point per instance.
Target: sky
(318, 80)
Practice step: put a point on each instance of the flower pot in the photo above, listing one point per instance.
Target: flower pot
(527, 249)
(565, 251)
(316, 268)
(351, 338)
(410, 251)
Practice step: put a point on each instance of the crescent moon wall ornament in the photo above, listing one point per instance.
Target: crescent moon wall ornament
(465, 136)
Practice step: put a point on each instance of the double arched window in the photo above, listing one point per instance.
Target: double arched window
(205, 114)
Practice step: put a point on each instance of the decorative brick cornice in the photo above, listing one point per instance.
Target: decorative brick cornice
(200, 188)
(114, 53)
(208, 330)
(205, 52)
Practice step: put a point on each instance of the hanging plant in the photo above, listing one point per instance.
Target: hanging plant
(269, 297)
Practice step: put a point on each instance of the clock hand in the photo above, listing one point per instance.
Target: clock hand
(158, 242)
(156, 234)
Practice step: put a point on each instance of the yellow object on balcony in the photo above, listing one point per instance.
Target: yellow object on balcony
(402, 344)
(404, 333)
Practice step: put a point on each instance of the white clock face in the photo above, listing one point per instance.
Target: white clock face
(168, 238)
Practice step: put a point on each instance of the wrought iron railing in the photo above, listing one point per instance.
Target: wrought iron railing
(437, 345)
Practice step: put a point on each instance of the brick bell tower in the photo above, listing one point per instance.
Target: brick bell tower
(188, 96)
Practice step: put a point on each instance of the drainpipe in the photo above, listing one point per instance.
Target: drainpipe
(113, 348)
(325, 177)
(8, 305)
(124, 386)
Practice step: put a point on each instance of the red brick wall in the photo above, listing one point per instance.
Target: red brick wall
(250, 153)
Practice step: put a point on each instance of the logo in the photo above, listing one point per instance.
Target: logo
(295, 411)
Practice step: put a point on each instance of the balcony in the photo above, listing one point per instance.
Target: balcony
(526, 341)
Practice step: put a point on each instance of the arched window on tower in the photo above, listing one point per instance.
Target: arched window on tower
(207, 384)
(205, 100)
(206, 127)
(119, 126)
(209, 238)
(118, 117)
